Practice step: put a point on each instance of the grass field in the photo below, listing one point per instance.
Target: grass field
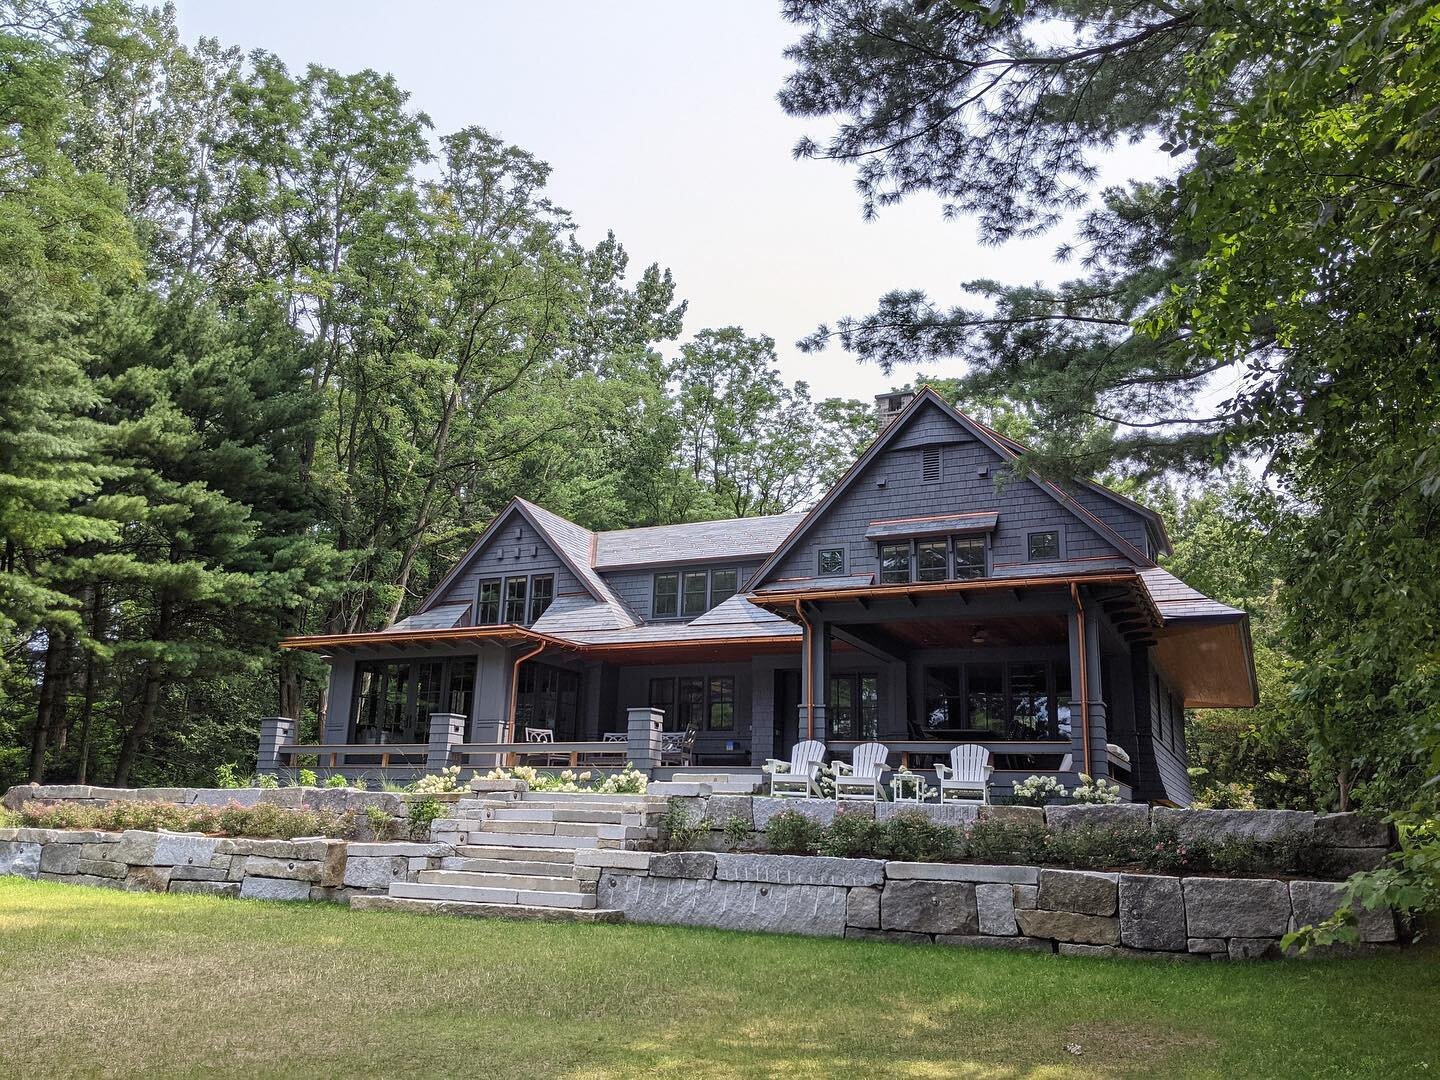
(115, 984)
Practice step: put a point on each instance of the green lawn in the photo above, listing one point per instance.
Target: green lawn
(104, 983)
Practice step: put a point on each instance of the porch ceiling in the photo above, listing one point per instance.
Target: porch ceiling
(902, 635)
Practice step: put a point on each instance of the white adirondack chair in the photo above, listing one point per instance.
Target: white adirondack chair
(968, 777)
(800, 781)
(860, 780)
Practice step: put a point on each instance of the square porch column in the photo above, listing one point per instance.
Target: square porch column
(1086, 695)
(275, 732)
(447, 730)
(643, 730)
(814, 680)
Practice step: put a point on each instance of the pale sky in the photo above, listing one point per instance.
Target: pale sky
(660, 122)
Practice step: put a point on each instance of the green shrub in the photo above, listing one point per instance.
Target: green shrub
(678, 830)
(911, 836)
(264, 821)
(336, 781)
(228, 776)
(267, 781)
(792, 833)
(308, 778)
(9, 819)
(382, 823)
(852, 835)
(422, 814)
(736, 831)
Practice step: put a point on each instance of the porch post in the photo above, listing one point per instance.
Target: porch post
(275, 732)
(814, 680)
(447, 730)
(1085, 696)
(643, 742)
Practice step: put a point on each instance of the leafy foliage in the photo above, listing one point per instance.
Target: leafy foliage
(263, 821)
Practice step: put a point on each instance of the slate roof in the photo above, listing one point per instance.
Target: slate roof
(699, 541)
(444, 617)
(1176, 600)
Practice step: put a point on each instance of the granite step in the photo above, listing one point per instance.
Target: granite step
(479, 894)
(490, 839)
(534, 868)
(531, 882)
(470, 909)
(514, 854)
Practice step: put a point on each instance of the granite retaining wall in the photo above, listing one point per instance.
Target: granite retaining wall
(1001, 907)
(1353, 841)
(303, 869)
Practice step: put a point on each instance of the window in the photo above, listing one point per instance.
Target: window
(854, 706)
(665, 603)
(542, 592)
(722, 703)
(515, 591)
(691, 704)
(723, 585)
(832, 561)
(693, 595)
(662, 697)
(394, 698)
(985, 697)
(1029, 701)
(930, 464)
(894, 564)
(969, 557)
(931, 563)
(548, 697)
(1021, 700)
(487, 606)
(1043, 545)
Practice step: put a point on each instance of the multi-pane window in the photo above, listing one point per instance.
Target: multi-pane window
(854, 708)
(894, 564)
(969, 557)
(722, 703)
(666, 602)
(693, 592)
(542, 593)
(393, 699)
(930, 560)
(516, 589)
(690, 704)
(832, 562)
(662, 697)
(1043, 545)
(487, 605)
(1021, 700)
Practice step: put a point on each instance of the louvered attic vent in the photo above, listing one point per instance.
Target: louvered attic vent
(930, 464)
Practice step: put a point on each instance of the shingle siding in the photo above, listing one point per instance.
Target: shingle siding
(969, 471)
(516, 549)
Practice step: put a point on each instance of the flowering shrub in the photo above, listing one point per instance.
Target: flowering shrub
(1038, 790)
(1098, 792)
(626, 782)
(264, 821)
(446, 780)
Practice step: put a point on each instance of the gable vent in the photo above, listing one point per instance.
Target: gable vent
(930, 464)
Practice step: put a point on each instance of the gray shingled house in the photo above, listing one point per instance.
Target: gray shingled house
(915, 603)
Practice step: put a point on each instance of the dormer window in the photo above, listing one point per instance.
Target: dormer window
(1042, 546)
(542, 594)
(687, 593)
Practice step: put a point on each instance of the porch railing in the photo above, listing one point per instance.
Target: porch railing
(577, 753)
(338, 755)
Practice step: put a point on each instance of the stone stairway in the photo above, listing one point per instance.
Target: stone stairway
(518, 856)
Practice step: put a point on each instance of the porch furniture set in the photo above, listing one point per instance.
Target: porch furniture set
(862, 778)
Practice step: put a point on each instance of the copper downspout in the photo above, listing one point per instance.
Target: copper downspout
(809, 672)
(514, 692)
(1084, 676)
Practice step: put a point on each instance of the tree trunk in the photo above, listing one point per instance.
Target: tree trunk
(92, 682)
(52, 684)
(1343, 779)
(149, 700)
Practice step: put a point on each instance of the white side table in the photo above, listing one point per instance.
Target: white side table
(907, 787)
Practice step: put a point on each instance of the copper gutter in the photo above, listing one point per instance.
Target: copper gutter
(420, 637)
(1084, 676)
(809, 688)
(942, 587)
(515, 690)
